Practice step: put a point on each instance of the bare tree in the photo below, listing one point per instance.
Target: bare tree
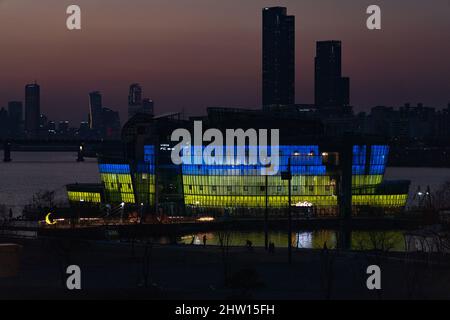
(44, 199)
(375, 247)
(327, 260)
(224, 236)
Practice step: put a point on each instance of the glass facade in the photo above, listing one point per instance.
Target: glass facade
(144, 178)
(79, 196)
(130, 183)
(117, 181)
(233, 185)
(237, 185)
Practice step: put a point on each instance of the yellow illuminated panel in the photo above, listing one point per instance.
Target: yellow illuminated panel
(118, 187)
(391, 200)
(84, 196)
(145, 188)
(366, 180)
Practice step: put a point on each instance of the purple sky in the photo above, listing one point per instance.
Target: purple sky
(191, 54)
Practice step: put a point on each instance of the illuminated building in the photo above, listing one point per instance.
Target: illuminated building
(241, 189)
(331, 176)
(85, 194)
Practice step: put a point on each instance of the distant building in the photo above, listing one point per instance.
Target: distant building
(51, 128)
(95, 108)
(110, 124)
(331, 176)
(135, 95)
(278, 57)
(63, 127)
(148, 106)
(134, 99)
(331, 89)
(136, 104)
(32, 109)
(15, 111)
(3, 123)
(83, 130)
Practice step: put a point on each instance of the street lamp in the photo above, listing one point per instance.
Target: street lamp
(122, 206)
(287, 175)
(266, 211)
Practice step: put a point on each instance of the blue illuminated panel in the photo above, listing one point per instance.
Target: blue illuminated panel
(113, 168)
(378, 159)
(359, 160)
(305, 160)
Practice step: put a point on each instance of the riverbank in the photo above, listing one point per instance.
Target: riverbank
(127, 231)
(118, 270)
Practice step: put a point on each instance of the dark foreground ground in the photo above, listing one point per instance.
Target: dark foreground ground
(117, 271)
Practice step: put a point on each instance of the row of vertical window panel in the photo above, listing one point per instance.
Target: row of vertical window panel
(249, 190)
(149, 153)
(365, 180)
(379, 154)
(119, 187)
(395, 200)
(301, 185)
(128, 197)
(303, 162)
(249, 170)
(84, 196)
(256, 180)
(114, 168)
(359, 155)
(249, 155)
(145, 188)
(378, 159)
(256, 201)
(116, 178)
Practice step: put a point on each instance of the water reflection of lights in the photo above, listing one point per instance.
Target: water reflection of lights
(304, 240)
(205, 219)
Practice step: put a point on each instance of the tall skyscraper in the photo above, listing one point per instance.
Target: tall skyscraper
(111, 124)
(331, 89)
(4, 125)
(32, 109)
(134, 99)
(135, 102)
(95, 109)
(15, 111)
(278, 57)
(148, 106)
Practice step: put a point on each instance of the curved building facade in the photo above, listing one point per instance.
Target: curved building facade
(232, 188)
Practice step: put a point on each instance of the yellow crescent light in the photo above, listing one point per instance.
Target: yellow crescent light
(48, 220)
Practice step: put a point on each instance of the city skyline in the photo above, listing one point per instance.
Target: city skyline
(223, 65)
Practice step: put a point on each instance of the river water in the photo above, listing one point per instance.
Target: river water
(30, 172)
